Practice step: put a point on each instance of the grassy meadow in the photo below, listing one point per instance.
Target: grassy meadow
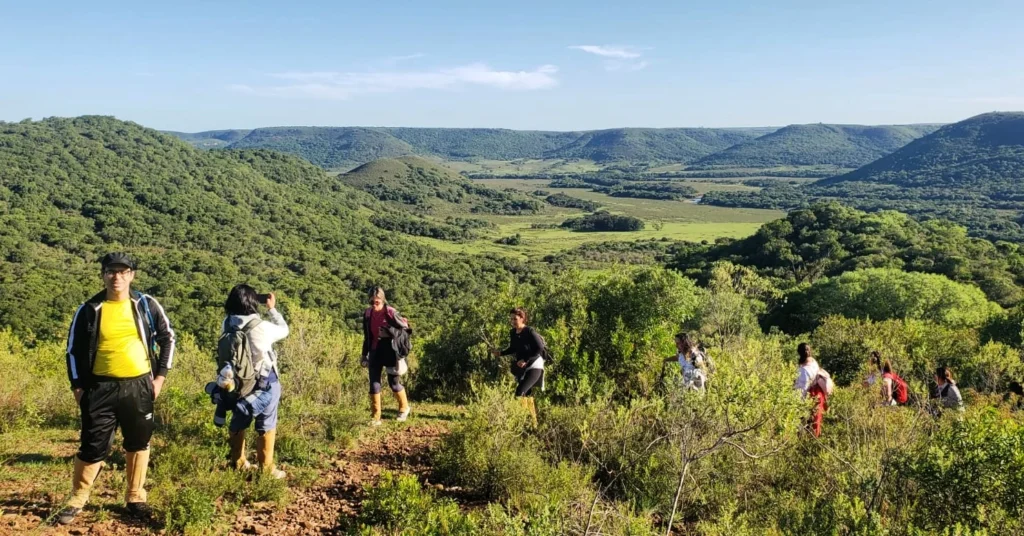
(672, 220)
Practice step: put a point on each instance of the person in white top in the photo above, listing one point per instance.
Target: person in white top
(242, 306)
(692, 363)
(806, 383)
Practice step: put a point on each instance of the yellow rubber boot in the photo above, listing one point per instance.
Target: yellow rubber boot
(82, 481)
(375, 406)
(403, 406)
(527, 403)
(136, 465)
(237, 458)
(265, 454)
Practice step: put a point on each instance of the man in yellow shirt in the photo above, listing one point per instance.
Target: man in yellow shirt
(120, 348)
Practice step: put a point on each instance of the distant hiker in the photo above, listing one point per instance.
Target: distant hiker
(692, 363)
(120, 348)
(529, 348)
(385, 345)
(947, 392)
(247, 369)
(813, 381)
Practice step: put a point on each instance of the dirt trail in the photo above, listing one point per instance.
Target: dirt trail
(319, 509)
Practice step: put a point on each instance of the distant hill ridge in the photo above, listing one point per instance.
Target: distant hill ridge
(341, 147)
(984, 153)
(847, 146)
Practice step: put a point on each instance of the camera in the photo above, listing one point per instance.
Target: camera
(262, 298)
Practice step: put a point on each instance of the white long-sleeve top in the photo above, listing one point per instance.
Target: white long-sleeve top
(805, 376)
(262, 337)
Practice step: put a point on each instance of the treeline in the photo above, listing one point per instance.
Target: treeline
(603, 221)
(565, 201)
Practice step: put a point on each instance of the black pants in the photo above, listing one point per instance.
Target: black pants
(375, 365)
(111, 402)
(528, 381)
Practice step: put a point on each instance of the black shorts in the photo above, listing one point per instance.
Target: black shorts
(113, 402)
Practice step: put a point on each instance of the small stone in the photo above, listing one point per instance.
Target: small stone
(77, 531)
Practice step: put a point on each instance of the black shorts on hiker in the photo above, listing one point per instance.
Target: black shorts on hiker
(376, 364)
(113, 402)
(529, 380)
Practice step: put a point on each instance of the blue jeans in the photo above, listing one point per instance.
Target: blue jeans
(267, 419)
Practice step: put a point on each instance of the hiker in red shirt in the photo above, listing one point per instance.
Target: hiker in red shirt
(380, 324)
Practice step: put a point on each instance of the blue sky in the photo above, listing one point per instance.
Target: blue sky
(559, 65)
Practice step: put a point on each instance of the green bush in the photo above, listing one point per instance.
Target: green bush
(400, 505)
(970, 473)
(190, 511)
(883, 294)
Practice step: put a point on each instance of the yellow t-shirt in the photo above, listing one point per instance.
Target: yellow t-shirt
(120, 352)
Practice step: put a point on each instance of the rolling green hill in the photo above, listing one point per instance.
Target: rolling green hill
(346, 147)
(971, 172)
(200, 222)
(984, 154)
(211, 139)
(845, 146)
(431, 189)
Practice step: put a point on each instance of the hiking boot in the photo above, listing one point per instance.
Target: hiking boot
(265, 454)
(403, 406)
(67, 515)
(140, 510)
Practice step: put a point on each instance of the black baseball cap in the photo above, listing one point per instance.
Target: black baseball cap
(117, 258)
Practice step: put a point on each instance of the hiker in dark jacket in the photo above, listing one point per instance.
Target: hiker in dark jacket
(528, 347)
(382, 325)
(116, 372)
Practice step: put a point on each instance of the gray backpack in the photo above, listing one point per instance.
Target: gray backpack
(233, 349)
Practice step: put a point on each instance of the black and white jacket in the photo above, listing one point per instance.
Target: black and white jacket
(84, 335)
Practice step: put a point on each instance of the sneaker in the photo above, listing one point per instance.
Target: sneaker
(140, 510)
(277, 474)
(403, 416)
(376, 422)
(67, 515)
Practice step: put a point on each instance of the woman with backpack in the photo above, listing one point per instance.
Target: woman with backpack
(946, 390)
(528, 347)
(691, 363)
(894, 389)
(809, 380)
(242, 308)
(382, 328)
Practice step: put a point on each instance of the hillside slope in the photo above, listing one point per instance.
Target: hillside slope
(847, 146)
(984, 153)
(430, 188)
(200, 222)
(651, 144)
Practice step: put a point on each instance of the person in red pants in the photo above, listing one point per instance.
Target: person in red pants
(807, 382)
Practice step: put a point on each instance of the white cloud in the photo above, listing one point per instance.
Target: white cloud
(619, 58)
(344, 85)
(610, 51)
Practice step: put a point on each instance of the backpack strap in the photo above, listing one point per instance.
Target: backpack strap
(149, 318)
